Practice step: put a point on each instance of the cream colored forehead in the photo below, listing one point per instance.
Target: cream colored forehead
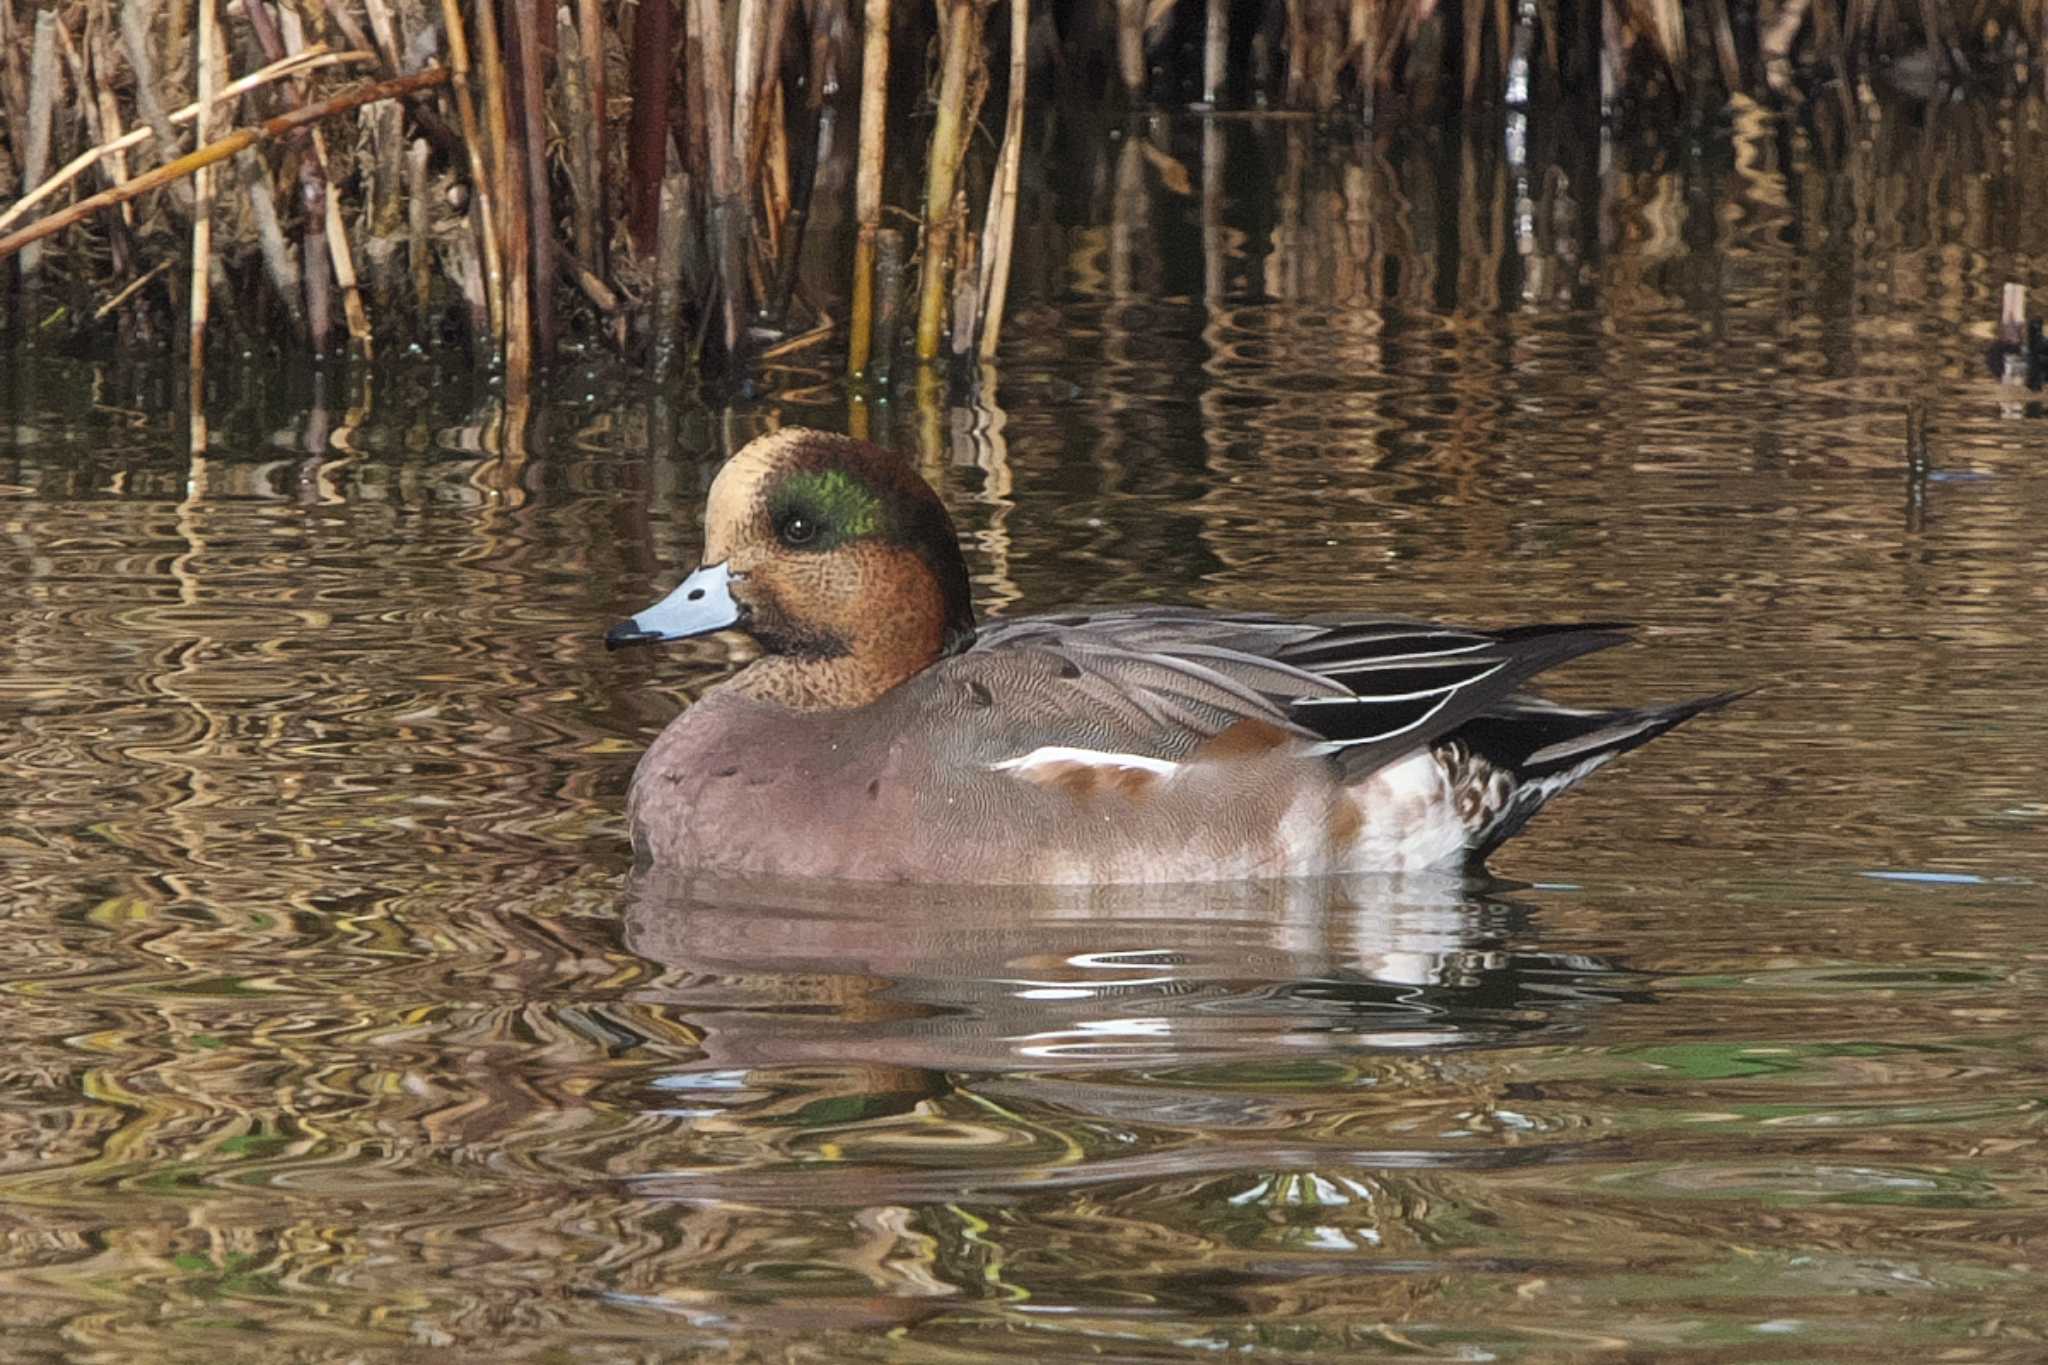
(736, 492)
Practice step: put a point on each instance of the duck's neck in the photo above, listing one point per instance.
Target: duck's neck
(837, 682)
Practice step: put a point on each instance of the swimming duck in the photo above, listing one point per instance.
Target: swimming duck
(883, 735)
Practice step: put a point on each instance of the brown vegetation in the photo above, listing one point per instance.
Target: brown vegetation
(638, 176)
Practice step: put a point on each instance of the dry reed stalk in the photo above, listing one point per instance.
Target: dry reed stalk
(508, 174)
(202, 228)
(1475, 20)
(101, 112)
(43, 84)
(135, 42)
(2012, 332)
(707, 43)
(580, 131)
(384, 27)
(13, 76)
(1295, 93)
(590, 47)
(1130, 45)
(957, 54)
(1365, 43)
(419, 231)
(668, 271)
(774, 172)
(827, 20)
(1725, 56)
(343, 259)
(647, 130)
(461, 256)
(482, 182)
(867, 194)
(100, 51)
(966, 287)
(132, 288)
(540, 214)
(279, 266)
(1000, 230)
(769, 126)
(221, 149)
(313, 194)
(749, 37)
(1775, 42)
(383, 226)
(889, 271)
(1216, 49)
(85, 160)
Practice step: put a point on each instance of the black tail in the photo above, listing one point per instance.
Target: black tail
(1547, 749)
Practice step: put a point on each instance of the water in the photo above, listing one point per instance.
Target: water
(337, 1029)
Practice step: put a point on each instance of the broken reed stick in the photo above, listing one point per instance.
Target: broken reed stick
(707, 42)
(999, 231)
(221, 149)
(312, 59)
(133, 287)
(867, 193)
(343, 260)
(481, 181)
(540, 214)
(961, 44)
(1130, 45)
(889, 271)
(419, 229)
(590, 35)
(42, 111)
(580, 133)
(135, 42)
(202, 229)
(508, 173)
(323, 236)
(1216, 50)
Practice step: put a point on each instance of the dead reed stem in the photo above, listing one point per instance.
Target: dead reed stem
(647, 131)
(508, 173)
(867, 194)
(580, 133)
(1000, 229)
(343, 259)
(135, 43)
(202, 229)
(707, 43)
(540, 216)
(958, 52)
(590, 46)
(220, 150)
(1215, 50)
(309, 60)
(43, 83)
(481, 180)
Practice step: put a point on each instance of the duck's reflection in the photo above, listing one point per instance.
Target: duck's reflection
(1263, 1082)
(896, 990)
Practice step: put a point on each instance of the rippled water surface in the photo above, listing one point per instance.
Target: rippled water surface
(336, 1028)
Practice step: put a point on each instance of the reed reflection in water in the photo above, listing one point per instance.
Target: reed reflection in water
(336, 1029)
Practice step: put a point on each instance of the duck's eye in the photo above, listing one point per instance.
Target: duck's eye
(797, 529)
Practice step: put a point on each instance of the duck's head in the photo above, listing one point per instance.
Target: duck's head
(835, 557)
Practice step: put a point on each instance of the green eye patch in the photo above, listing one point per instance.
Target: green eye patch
(838, 506)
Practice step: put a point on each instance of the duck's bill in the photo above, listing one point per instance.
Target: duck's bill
(701, 604)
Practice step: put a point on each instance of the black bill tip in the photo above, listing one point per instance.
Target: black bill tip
(628, 633)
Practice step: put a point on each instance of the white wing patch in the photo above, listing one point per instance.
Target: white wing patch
(1050, 758)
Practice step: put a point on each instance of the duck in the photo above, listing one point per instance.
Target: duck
(882, 733)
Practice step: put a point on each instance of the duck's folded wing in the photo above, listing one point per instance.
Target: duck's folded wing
(1157, 682)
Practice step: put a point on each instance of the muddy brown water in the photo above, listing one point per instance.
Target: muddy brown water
(335, 1028)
